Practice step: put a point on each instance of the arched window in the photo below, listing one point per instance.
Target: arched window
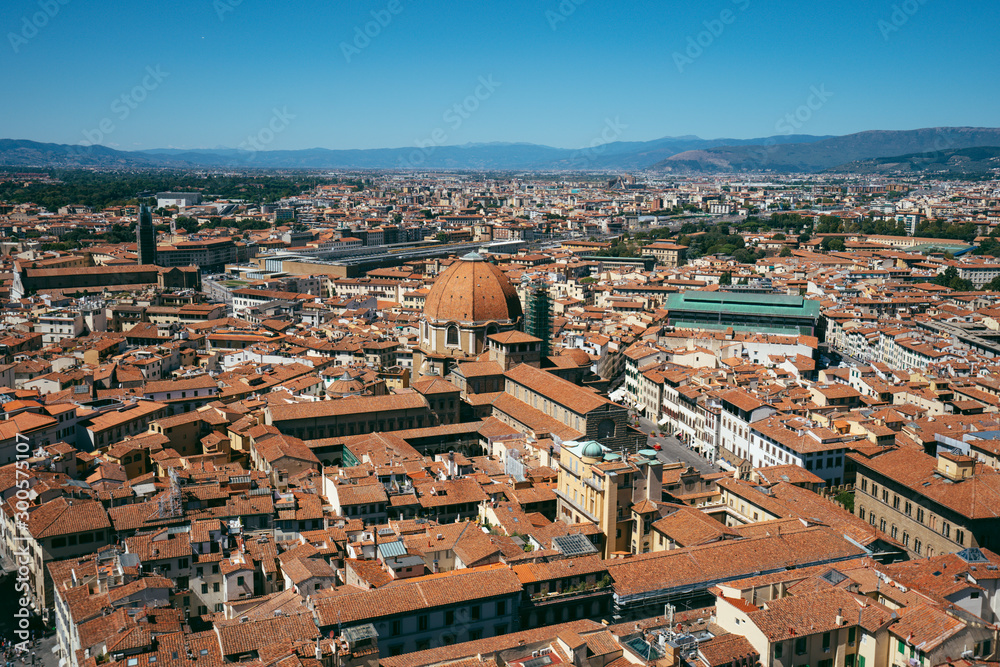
(451, 338)
(491, 329)
(606, 429)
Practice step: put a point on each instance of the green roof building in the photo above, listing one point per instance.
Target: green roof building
(760, 313)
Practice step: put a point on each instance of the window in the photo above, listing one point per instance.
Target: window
(215, 587)
(501, 607)
(917, 546)
(397, 626)
(499, 630)
(852, 634)
(920, 515)
(900, 646)
(475, 633)
(849, 660)
(800, 646)
(452, 335)
(826, 642)
(861, 513)
(778, 650)
(422, 622)
(960, 536)
(449, 617)
(239, 581)
(204, 588)
(474, 612)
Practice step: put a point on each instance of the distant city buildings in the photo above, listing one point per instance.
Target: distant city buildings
(447, 419)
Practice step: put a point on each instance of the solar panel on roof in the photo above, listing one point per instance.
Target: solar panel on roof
(540, 661)
(573, 545)
(833, 576)
(973, 555)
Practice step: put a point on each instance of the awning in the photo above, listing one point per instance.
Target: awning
(663, 421)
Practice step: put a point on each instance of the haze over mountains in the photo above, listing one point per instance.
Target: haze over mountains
(686, 154)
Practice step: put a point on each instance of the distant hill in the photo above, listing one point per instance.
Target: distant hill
(831, 152)
(22, 153)
(614, 156)
(978, 160)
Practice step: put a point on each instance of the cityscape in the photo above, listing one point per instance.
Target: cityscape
(487, 366)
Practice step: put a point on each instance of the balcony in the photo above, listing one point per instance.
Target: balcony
(573, 592)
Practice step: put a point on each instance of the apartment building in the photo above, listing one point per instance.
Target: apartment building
(931, 506)
(429, 612)
(828, 627)
(355, 415)
(619, 495)
(534, 399)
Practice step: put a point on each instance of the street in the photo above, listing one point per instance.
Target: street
(673, 450)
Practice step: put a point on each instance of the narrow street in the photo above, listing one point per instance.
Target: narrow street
(672, 450)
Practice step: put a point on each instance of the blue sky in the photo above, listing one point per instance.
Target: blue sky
(207, 73)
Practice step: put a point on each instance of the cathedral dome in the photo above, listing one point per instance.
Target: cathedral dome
(472, 290)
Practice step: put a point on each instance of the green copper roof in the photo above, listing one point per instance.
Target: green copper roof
(748, 304)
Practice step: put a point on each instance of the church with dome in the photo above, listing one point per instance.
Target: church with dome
(469, 302)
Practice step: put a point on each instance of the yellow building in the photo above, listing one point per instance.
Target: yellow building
(620, 495)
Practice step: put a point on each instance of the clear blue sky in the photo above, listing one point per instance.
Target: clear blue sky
(560, 81)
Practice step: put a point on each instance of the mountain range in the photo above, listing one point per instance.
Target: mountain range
(685, 154)
(978, 160)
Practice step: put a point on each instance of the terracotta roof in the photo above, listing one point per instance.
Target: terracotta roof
(473, 291)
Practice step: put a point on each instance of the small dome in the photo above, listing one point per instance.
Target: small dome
(579, 357)
(593, 450)
(472, 290)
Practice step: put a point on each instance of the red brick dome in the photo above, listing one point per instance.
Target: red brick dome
(472, 290)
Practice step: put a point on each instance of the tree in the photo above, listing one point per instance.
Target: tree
(779, 237)
(726, 278)
(833, 243)
(785, 252)
(993, 285)
(442, 237)
(946, 277)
